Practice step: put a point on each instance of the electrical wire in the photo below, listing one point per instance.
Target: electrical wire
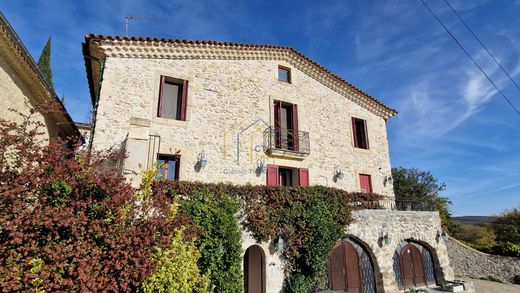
(469, 56)
(482, 44)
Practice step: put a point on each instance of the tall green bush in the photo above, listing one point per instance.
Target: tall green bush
(213, 208)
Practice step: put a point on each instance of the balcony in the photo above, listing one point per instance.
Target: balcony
(391, 203)
(280, 142)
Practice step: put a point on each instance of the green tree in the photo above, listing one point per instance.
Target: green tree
(44, 62)
(420, 190)
(507, 227)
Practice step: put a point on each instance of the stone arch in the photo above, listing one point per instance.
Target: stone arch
(367, 268)
(430, 271)
(254, 269)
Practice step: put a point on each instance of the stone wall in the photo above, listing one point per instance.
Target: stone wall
(469, 262)
(421, 227)
(224, 98)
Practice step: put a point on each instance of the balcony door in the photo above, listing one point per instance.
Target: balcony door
(286, 126)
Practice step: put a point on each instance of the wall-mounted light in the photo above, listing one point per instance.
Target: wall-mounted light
(388, 179)
(384, 238)
(443, 235)
(338, 174)
(202, 160)
(261, 166)
(279, 244)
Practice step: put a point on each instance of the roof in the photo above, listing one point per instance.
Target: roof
(123, 46)
(29, 62)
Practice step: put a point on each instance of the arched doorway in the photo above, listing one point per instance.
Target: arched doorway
(413, 265)
(254, 270)
(350, 269)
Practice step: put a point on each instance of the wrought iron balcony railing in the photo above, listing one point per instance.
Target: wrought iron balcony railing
(281, 139)
(400, 204)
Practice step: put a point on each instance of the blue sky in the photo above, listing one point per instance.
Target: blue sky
(450, 121)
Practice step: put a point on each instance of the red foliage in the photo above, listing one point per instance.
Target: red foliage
(80, 224)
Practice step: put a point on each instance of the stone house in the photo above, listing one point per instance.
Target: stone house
(23, 87)
(260, 114)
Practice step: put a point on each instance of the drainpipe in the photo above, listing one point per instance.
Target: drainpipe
(96, 100)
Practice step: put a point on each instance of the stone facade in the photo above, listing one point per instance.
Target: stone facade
(231, 92)
(22, 88)
(469, 262)
(224, 98)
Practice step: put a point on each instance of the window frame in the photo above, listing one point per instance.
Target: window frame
(183, 97)
(168, 158)
(289, 75)
(357, 144)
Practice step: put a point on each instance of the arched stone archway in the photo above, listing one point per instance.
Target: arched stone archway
(254, 270)
(350, 268)
(414, 265)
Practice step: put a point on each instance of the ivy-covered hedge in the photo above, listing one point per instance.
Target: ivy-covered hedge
(310, 220)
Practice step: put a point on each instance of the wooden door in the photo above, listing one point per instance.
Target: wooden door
(254, 278)
(344, 269)
(412, 268)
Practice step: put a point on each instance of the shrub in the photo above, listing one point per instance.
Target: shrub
(213, 208)
(506, 249)
(67, 226)
(178, 271)
(507, 227)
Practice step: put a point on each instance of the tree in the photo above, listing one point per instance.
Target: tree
(507, 227)
(420, 190)
(44, 62)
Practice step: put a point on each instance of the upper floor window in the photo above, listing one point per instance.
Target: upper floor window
(286, 126)
(284, 74)
(360, 133)
(168, 166)
(173, 97)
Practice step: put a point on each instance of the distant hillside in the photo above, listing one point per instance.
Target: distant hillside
(473, 220)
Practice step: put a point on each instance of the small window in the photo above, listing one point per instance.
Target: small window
(286, 176)
(360, 133)
(365, 182)
(168, 166)
(172, 98)
(284, 74)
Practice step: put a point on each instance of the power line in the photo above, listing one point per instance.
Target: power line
(482, 44)
(470, 57)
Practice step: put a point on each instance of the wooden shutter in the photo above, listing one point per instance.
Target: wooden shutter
(277, 124)
(365, 183)
(296, 143)
(303, 176)
(354, 132)
(273, 177)
(366, 133)
(160, 102)
(184, 100)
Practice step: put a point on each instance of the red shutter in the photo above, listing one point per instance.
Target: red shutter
(296, 144)
(366, 133)
(272, 175)
(184, 100)
(354, 132)
(160, 102)
(365, 183)
(277, 124)
(304, 176)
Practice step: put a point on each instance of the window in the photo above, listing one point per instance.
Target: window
(173, 95)
(284, 74)
(365, 182)
(285, 176)
(168, 167)
(286, 126)
(360, 133)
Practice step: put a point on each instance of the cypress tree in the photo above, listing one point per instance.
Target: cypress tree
(44, 62)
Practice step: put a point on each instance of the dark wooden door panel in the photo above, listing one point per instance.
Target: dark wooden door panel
(337, 268)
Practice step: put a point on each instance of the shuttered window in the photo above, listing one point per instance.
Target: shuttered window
(360, 133)
(173, 98)
(283, 176)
